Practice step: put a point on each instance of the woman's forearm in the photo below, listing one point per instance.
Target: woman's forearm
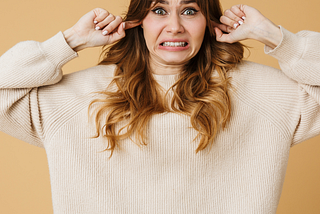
(268, 33)
(73, 40)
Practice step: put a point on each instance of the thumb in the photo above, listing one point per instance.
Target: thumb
(220, 36)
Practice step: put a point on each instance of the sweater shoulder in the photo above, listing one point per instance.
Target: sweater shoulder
(78, 88)
(95, 78)
(71, 97)
(263, 80)
(252, 73)
(268, 92)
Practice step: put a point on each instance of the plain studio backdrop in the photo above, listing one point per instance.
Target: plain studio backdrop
(24, 174)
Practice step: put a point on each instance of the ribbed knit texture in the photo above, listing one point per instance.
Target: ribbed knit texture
(244, 171)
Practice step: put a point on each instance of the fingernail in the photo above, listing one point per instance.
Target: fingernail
(235, 25)
(243, 17)
(124, 25)
(95, 22)
(104, 32)
(97, 28)
(240, 22)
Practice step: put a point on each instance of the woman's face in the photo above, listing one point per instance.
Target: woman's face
(174, 31)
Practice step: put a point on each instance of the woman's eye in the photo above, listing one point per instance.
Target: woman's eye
(190, 11)
(159, 11)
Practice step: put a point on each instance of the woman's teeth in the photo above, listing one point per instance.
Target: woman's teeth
(175, 44)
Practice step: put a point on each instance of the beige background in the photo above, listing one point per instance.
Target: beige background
(24, 175)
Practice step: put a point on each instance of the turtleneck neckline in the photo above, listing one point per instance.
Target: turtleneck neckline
(166, 81)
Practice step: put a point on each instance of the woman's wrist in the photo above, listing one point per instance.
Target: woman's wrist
(73, 40)
(268, 33)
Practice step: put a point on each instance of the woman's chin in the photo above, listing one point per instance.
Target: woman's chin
(170, 59)
(175, 60)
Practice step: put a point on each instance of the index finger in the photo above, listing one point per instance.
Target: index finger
(222, 27)
(131, 24)
(238, 10)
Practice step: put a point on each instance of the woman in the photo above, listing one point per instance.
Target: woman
(217, 130)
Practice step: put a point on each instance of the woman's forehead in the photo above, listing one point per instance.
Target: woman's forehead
(173, 1)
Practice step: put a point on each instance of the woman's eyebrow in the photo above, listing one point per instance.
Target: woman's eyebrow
(187, 1)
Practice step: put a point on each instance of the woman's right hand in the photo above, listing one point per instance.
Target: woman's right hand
(242, 22)
(96, 28)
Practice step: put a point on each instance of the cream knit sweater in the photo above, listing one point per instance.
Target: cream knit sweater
(272, 110)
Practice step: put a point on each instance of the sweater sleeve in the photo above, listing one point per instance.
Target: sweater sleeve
(23, 69)
(299, 58)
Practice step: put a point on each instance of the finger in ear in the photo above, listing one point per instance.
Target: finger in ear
(132, 24)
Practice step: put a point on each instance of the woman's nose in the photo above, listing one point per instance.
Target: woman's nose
(174, 25)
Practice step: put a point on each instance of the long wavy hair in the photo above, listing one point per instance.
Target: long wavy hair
(133, 96)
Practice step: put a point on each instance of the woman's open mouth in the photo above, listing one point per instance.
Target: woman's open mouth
(174, 44)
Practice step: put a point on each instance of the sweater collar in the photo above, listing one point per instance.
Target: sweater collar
(166, 81)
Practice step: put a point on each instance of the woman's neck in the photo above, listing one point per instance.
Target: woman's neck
(160, 68)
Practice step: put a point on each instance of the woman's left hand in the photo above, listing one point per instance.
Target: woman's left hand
(242, 22)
